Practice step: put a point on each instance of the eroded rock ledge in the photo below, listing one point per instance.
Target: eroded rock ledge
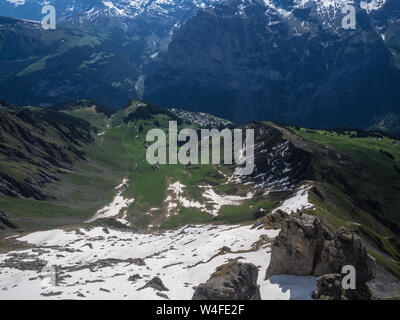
(304, 247)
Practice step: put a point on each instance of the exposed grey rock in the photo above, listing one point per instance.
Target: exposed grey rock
(231, 281)
(134, 277)
(385, 285)
(94, 281)
(162, 295)
(274, 220)
(51, 294)
(15, 263)
(344, 248)
(138, 262)
(155, 283)
(305, 247)
(88, 245)
(294, 249)
(329, 287)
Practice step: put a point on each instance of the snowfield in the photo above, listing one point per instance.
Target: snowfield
(96, 263)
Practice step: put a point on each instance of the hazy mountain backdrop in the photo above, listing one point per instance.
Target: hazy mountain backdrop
(288, 61)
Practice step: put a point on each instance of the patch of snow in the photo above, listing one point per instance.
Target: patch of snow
(212, 201)
(154, 55)
(372, 5)
(115, 207)
(298, 201)
(176, 188)
(16, 2)
(218, 201)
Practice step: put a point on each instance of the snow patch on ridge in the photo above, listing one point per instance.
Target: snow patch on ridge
(211, 204)
(115, 207)
(298, 201)
(218, 201)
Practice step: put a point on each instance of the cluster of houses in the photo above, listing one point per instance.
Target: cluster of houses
(201, 119)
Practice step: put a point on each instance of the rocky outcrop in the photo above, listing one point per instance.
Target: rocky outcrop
(274, 220)
(295, 248)
(329, 287)
(305, 247)
(231, 281)
(155, 283)
(344, 248)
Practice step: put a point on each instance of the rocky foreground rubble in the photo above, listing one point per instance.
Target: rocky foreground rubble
(231, 281)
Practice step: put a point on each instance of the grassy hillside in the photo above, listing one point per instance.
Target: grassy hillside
(52, 167)
(117, 149)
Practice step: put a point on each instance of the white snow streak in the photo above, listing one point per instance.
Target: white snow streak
(115, 207)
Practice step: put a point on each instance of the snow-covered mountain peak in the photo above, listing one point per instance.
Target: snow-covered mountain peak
(368, 5)
(31, 9)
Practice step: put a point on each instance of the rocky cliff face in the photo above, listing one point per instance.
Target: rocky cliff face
(289, 61)
(294, 251)
(305, 247)
(231, 281)
(284, 61)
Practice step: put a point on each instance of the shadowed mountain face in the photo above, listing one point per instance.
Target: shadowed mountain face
(100, 50)
(289, 61)
(245, 61)
(35, 146)
(389, 123)
(66, 63)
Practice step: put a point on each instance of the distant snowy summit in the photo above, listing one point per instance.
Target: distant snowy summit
(31, 9)
(66, 9)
